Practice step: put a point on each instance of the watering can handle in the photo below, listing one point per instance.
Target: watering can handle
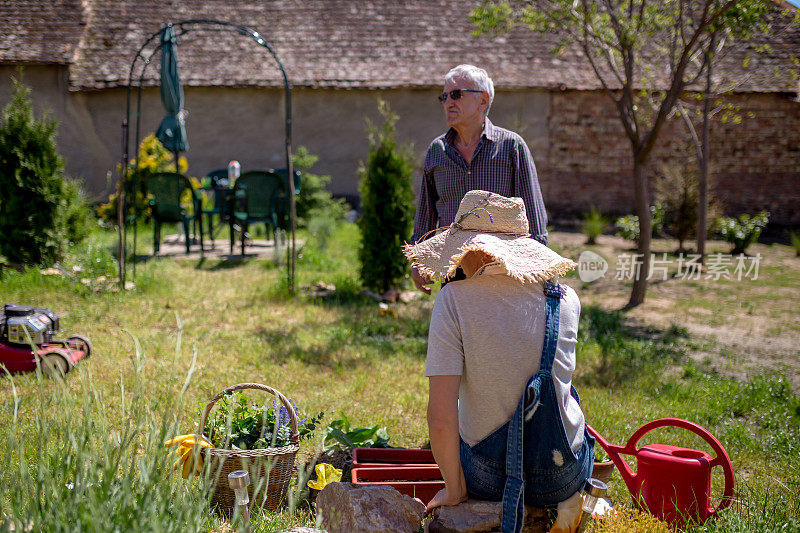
(721, 459)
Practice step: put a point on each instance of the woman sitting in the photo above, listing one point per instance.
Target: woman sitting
(505, 422)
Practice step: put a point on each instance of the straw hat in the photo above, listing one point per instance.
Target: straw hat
(493, 224)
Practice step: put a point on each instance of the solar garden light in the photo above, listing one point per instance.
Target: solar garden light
(238, 480)
(594, 490)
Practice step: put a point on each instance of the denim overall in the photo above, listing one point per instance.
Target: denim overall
(545, 470)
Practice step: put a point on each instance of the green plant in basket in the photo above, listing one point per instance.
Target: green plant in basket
(241, 424)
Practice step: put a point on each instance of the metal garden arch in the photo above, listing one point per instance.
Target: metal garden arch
(182, 28)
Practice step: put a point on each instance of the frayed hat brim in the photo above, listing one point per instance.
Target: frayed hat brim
(523, 259)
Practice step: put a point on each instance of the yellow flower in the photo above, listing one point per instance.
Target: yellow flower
(325, 474)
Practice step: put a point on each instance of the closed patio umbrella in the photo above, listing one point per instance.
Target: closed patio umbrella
(172, 130)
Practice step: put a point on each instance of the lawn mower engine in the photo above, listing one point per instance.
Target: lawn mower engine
(23, 325)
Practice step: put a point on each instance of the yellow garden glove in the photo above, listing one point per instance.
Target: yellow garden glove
(191, 462)
(325, 474)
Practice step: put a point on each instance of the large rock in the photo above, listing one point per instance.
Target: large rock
(475, 516)
(349, 508)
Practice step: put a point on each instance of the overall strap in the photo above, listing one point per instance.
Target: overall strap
(553, 293)
(514, 489)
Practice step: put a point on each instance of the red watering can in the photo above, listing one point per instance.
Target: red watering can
(673, 483)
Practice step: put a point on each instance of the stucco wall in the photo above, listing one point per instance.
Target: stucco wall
(247, 124)
(582, 155)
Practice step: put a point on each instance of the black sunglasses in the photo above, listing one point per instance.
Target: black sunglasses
(455, 94)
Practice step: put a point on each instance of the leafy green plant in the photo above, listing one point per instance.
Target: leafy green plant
(743, 231)
(41, 212)
(594, 223)
(796, 242)
(600, 454)
(628, 225)
(386, 201)
(340, 434)
(240, 424)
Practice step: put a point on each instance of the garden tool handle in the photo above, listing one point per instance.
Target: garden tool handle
(721, 458)
(295, 437)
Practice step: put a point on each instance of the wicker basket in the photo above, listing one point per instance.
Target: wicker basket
(270, 469)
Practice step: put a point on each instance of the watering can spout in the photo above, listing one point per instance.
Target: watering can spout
(614, 452)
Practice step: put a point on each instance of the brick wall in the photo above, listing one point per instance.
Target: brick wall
(754, 164)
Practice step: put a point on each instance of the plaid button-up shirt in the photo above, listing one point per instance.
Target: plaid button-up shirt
(502, 164)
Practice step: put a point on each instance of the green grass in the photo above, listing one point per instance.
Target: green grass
(203, 326)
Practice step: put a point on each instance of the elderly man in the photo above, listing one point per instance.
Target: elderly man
(473, 154)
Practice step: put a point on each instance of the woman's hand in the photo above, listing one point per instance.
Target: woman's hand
(421, 281)
(444, 497)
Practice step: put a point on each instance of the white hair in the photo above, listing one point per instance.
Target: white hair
(477, 76)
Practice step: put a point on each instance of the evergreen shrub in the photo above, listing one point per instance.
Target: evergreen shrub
(387, 204)
(41, 212)
(317, 209)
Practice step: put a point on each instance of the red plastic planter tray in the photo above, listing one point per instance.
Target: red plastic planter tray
(421, 482)
(372, 457)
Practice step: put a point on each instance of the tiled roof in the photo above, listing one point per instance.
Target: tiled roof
(322, 43)
(46, 31)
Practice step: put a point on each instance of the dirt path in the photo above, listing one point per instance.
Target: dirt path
(741, 327)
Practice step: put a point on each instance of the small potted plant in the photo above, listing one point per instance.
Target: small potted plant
(603, 465)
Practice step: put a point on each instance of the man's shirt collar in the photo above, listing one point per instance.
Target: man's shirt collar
(489, 132)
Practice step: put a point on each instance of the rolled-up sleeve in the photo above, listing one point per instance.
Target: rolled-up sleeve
(445, 346)
(527, 187)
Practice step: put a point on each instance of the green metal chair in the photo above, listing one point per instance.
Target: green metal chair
(298, 176)
(167, 198)
(256, 196)
(216, 183)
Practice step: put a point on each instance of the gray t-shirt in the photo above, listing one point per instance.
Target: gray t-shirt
(489, 329)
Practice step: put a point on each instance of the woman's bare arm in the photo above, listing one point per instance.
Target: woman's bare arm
(443, 430)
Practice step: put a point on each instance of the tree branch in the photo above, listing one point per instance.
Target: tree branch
(677, 85)
(692, 131)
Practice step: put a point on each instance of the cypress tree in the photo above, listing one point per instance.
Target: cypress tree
(40, 212)
(387, 204)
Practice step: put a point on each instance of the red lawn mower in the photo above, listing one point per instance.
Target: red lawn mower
(56, 357)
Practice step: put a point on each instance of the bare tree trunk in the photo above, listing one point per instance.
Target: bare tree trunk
(645, 232)
(702, 188)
